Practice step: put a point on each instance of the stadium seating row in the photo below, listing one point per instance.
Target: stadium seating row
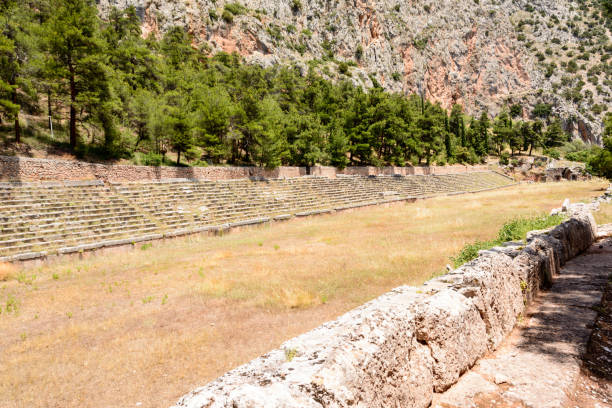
(37, 219)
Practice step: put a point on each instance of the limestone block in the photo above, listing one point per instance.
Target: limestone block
(450, 325)
(492, 281)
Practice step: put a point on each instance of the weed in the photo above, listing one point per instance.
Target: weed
(512, 230)
(144, 247)
(276, 247)
(23, 336)
(164, 299)
(290, 354)
(147, 299)
(11, 305)
(69, 315)
(523, 286)
(55, 276)
(470, 252)
(26, 279)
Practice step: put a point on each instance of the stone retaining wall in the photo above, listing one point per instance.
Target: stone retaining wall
(28, 169)
(401, 348)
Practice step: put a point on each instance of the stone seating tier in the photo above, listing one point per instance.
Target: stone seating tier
(37, 219)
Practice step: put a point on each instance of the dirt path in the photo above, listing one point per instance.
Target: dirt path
(541, 363)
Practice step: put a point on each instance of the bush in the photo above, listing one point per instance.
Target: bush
(514, 230)
(359, 52)
(235, 8)
(343, 68)
(504, 159)
(518, 228)
(552, 153)
(296, 5)
(227, 17)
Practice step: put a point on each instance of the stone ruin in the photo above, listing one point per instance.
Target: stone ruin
(574, 173)
(42, 220)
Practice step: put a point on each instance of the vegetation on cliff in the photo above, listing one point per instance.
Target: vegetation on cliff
(111, 93)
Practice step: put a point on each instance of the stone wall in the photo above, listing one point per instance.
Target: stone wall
(566, 173)
(410, 171)
(28, 169)
(401, 348)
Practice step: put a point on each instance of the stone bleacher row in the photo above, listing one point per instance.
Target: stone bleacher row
(38, 219)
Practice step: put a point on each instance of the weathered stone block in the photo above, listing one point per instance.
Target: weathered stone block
(492, 282)
(451, 326)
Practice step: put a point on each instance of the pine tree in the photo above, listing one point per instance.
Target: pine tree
(16, 61)
(483, 134)
(73, 42)
(554, 135)
(8, 91)
(269, 146)
(338, 147)
(456, 124)
(180, 132)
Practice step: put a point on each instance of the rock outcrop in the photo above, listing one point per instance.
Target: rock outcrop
(483, 54)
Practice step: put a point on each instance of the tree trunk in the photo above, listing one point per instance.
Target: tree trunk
(178, 158)
(49, 111)
(17, 126)
(530, 147)
(73, 96)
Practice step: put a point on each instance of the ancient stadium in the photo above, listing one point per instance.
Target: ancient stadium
(136, 292)
(305, 204)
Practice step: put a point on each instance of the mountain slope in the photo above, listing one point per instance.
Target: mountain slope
(483, 54)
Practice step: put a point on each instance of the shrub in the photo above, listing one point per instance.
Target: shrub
(513, 230)
(343, 68)
(235, 8)
(296, 5)
(7, 271)
(504, 159)
(518, 228)
(359, 52)
(553, 153)
(150, 159)
(420, 43)
(227, 17)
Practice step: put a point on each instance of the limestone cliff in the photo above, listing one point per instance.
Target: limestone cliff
(484, 54)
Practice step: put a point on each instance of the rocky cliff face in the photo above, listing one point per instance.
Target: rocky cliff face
(484, 54)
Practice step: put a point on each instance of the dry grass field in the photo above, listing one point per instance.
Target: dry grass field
(604, 216)
(142, 327)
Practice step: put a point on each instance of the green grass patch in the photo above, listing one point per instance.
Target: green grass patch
(513, 230)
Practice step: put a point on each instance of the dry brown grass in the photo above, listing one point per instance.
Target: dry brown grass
(149, 325)
(7, 271)
(604, 215)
